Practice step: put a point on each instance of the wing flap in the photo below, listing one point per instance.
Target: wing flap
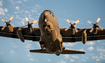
(66, 51)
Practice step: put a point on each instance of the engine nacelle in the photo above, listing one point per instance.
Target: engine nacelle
(20, 35)
(84, 37)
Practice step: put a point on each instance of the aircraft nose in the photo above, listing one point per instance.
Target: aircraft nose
(45, 14)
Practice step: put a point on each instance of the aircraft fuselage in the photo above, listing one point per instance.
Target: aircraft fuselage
(50, 32)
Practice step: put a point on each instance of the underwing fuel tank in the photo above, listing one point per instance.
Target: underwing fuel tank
(84, 37)
(20, 35)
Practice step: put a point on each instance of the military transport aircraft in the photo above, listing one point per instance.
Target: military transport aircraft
(50, 36)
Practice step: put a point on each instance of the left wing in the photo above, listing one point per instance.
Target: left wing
(35, 36)
(68, 37)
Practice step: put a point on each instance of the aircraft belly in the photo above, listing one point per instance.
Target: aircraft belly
(51, 41)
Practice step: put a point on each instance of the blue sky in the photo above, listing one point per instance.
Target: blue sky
(13, 50)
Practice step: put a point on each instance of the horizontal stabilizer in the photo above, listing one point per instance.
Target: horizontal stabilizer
(40, 51)
(66, 51)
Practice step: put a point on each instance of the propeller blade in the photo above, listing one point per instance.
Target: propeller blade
(34, 22)
(77, 22)
(3, 28)
(27, 20)
(97, 20)
(3, 20)
(89, 22)
(67, 28)
(76, 30)
(100, 28)
(10, 18)
(68, 21)
(91, 30)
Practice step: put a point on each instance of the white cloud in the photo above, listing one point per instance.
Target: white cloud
(81, 49)
(90, 43)
(62, 61)
(49, 60)
(2, 11)
(83, 60)
(37, 6)
(72, 60)
(97, 59)
(66, 56)
(75, 56)
(5, 10)
(28, 45)
(25, 0)
(19, 2)
(91, 48)
(27, 12)
(1, 3)
(28, 55)
(17, 7)
(15, 2)
(94, 57)
(31, 59)
(13, 51)
(69, 44)
(36, 60)
(100, 49)
(1, 52)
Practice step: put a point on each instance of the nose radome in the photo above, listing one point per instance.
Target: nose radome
(45, 13)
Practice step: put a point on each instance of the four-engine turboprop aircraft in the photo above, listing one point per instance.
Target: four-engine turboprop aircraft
(50, 36)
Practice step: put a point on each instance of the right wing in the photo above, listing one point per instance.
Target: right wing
(35, 36)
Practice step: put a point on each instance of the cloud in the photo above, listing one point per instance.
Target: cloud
(5, 10)
(94, 57)
(81, 49)
(28, 55)
(90, 48)
(25, 0)
(17, 7)
(15, 2)
(1, 3)
(75, 56)
(62, 61)
(97, 59)
(19, 2)
(31, 59)
(83, 60)
(100, 49)
(90, 43)
(2, 11)
(28, 46)
(13, 52)
(66, 56)
(49, 60)
(72, 60)
(69, 44)
(1, 52)
(37, 6)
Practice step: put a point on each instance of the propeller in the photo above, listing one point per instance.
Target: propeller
(8, 24)
(95, 25)
(72, 25)
(30, 24)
